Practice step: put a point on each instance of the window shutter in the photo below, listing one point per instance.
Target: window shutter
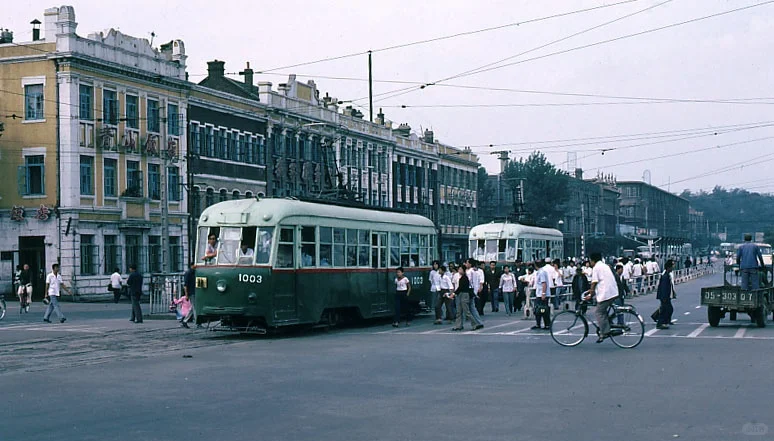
(21, 179)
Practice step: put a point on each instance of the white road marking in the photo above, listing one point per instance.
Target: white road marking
(519, 331)
(504, 324)
(651, 332)
(698, 331)
(686, 313)
(740, 332)
(440, 329)
(698, 307)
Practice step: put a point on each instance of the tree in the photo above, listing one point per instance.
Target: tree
(545, 188)
(486, 196)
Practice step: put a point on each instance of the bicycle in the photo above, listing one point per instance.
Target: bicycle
(627, 329)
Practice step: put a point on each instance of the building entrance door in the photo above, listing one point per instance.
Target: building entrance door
(32, 251)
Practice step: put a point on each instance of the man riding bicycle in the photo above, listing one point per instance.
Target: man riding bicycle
(605, 289)
(25, 289)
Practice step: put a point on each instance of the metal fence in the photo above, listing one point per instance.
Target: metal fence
(163, 288)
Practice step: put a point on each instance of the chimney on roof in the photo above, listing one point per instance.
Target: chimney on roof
(579, 173)
(380, 117)
(35, 29)
(248, 74)
(428, 136)
(283, 88)
(216, 68)
(403, 130)
(50, 16)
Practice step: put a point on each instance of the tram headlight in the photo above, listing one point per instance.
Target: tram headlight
(221, 285)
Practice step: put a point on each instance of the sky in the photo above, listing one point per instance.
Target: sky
(689, 105)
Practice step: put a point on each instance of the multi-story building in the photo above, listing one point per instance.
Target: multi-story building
(457, 189)
(591, 215)
(96, 144)
(650, 213)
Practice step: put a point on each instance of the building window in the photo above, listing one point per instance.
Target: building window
(31, 176)
(173, 183)
(112, 255)
(89, 255)
(87, 175)
(173, 120)
(154, 254)
(132, 112)
(153, 116)
(235, 195)
(154, 181)
(109, 107)
(194, 139)
(33, 102)
(111, 189)
(134, 187)
(134, 251)
(175, 254)
(210, 143)
(209, 198)
(86, 102)
(223, 195)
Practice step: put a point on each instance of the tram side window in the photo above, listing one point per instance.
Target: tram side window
(378, 250)
(326, 246)
(363, 244)
(405, 255)
(510, 250)
(414, 257)
(478, 249)
(423, 241)
(246, 251)
(285, 248)
(339, 241)
(394, 249)
(263, 253)
(351, 247)
(308, 246)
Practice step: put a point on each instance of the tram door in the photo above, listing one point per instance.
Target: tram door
(379, 261)
(285, 280)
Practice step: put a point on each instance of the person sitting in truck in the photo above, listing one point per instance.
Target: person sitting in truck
(750, 259)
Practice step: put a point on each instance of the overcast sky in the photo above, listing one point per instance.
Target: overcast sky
(723, 58)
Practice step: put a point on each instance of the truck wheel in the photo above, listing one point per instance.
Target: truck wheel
(760, 317)
(732, 316)
(713, 316)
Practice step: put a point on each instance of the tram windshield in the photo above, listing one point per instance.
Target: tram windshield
(493, 250)
(235, 245)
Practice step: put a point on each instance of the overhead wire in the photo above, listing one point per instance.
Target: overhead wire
(446, 37)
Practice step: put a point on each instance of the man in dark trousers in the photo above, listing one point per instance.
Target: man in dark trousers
(750, 259)
(521, 270)
(189, 288)
(492, 277)
(665, 294)
(134, 284)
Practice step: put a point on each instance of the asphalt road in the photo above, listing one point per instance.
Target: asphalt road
(100, 377)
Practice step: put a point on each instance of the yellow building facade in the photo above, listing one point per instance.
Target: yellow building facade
(93, 142)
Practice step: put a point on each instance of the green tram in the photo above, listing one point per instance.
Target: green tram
(283, 262)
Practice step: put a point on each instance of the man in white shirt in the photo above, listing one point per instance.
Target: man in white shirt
(476, 283)
(627, 270)
(116, 282)
(637, 273)
(542, 291)
(435, 281)
(605, 289)
(445, 290)
(54, 284)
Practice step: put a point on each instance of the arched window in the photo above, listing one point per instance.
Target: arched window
(248, 194)
(235, 195)
(223, 195)
(210, 196)
(196, 202)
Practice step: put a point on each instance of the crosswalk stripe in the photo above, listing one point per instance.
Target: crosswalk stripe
(505, 324)
(651, 332)
(519, 331)
(698, 330)
(698, 307)
(740, 332)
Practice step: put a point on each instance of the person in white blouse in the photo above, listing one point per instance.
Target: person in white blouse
(445, 296)
(508, 288)
(605, 289)
(116, 282)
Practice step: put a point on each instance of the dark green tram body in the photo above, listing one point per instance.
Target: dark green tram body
(321, 263)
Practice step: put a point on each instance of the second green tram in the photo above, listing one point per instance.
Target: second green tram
(281, 262)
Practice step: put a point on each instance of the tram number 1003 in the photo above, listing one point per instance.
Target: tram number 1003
(417, 281)
(250, 278)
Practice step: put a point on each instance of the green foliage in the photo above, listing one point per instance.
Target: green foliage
(485, 189)
(545, 188)
(737, 210)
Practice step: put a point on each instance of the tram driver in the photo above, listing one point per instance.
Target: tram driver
(245, 253)
(211, 251)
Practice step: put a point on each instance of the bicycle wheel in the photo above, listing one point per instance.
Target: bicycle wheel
(2, 309)
(569, 328)
(630, 333)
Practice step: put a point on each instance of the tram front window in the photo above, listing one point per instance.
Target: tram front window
(243, 246)
(228, 245)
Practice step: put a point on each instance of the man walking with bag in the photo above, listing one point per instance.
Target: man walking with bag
(134, 283)
(666, 292)
(54, 284)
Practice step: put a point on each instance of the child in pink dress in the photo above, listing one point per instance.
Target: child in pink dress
(183, 307)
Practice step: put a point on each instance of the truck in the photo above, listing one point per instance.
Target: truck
(732, 299)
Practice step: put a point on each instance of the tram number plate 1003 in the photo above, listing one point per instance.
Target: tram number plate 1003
(250, 278)
(417, 281)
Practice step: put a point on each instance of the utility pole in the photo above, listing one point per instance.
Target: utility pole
(370, 91)
(164, 151)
